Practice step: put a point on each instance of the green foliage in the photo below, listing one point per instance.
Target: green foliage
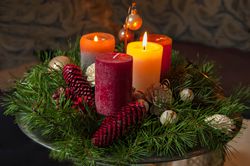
(70, 130)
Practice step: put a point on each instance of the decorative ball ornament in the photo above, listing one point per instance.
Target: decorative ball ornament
(90, 73)
(130, 35)
(134, 21)
(168, 117)
(187, 95)
(58, 62)
(221, 122)
(160, 95)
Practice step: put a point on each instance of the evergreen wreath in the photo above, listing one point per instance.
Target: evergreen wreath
(70, 127)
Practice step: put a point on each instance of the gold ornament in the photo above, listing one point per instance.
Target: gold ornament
(134, 20)
(58, 62)
(187, 95)
(129, 35)
(160, 95)
(168, 117)
(221, 122)
(90, 73)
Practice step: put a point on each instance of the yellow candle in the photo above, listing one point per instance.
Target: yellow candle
(93, 44)
(146, 63)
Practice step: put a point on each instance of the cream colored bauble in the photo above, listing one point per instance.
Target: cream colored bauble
(90, 73)
(58, 62)
(221, 122)
(187, 95)
(168, 117)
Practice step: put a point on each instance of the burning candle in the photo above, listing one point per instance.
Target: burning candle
(93, 44)
(147, 57)
(113, 82)
(166, 42)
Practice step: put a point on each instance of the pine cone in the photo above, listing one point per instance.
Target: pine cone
(115, 126)
(57, 94)
(79, 88)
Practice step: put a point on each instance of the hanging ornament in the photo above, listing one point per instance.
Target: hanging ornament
(130, 35)
(221, 122)
(90, 73)
(187, 95)
(160, 95)
(134, 20)
(79, 89)
(168, 117)
(58, 62)
(117, 125)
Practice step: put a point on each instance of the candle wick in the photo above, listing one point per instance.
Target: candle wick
(144, 47)
(116, 55)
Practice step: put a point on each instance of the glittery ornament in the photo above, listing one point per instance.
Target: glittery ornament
(221, 122)
(90, 73)
(59, 62)
(168, 117)
(160, 95)
(187, 95)
(134, 22)
(129, 36)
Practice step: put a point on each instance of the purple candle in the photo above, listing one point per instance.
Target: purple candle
(113, 82)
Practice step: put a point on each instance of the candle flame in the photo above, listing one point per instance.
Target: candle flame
(144, 40)
(96, 38)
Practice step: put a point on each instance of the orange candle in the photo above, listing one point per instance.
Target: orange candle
(166, 43)
(147, 58)
(93, 44)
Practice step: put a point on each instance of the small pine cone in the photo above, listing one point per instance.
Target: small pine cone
(117, 125)
(57, 94)
(79, 88)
